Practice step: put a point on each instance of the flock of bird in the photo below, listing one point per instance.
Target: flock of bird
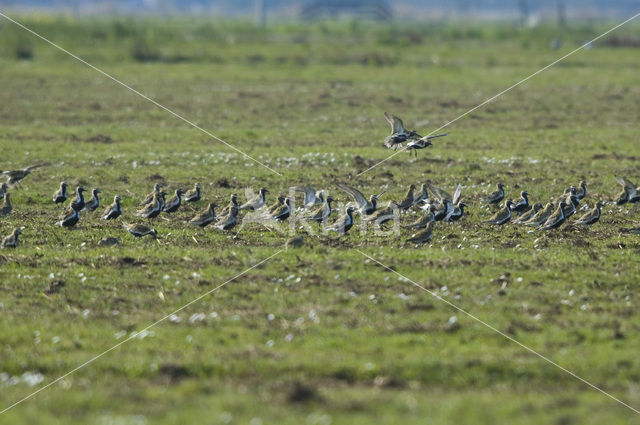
(433, 203)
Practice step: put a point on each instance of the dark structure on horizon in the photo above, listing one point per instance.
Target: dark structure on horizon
(370, 9)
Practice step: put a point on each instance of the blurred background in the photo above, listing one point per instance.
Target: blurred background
(528, 11)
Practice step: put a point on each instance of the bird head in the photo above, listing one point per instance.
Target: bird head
(329, 200)
(263, 191)
(117, 198)
(500, 185)
(63, 184)
(96, 191)
(80, 189)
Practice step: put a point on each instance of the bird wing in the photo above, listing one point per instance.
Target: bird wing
(456, 195)
(396, 123)
(309, 193)
(355, 194)
(433, 137)
(439, 193)
(500, 215)
(626, 183)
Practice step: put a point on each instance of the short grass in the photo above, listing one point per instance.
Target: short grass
(319, 334)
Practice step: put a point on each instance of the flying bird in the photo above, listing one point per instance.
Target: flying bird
(15, 176)
(399, 134)
(421, 143)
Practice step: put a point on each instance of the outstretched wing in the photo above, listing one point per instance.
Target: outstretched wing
(456, 195)
(625, 183)
(439, 193)
(309, 193)
(355, 194)
(396, 123)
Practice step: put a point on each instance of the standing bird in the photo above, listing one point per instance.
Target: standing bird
(457, 213)
(523, 203)
(407, 202)
(156, 190)
(283, 212)
(233, 202)
(421, 143)
(556, 219)
(422, 222)
(364, 207)
(445, 210)
(590, 217)
(571, 202)
(582, 190)
(422, 196)
(11, 241)
(206, 217)
(15, 176)
(398, 133)
(69, 218)
(276, 205)
(154, 208)
(193, 195)
(312, 197)
(322, 213)
(140, 230)
(383, 215)
(93, 203)
(529, 214)
(497, 196)
(114, 210)
(61, 194)
(78, 203)
(541, 216)
(503, 215)
(229, 221)
(256, 202)
(6, 208)
(344, 223)
(423, 236)
(173, 204)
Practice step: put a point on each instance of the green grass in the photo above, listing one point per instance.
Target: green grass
(348, 342)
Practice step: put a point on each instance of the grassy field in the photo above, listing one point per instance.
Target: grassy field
(319, 334)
